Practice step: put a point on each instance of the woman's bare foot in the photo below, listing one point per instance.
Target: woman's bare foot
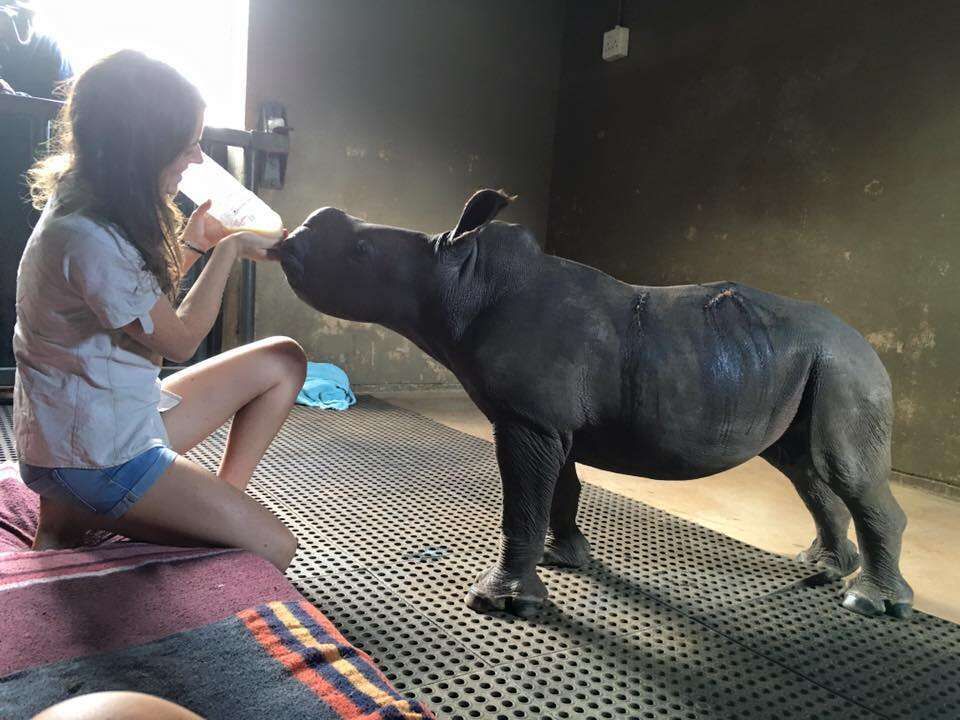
(62, 527)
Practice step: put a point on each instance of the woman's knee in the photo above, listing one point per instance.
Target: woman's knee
(286, 357)
(283, 548)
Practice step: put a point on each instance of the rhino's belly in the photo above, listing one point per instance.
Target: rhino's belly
(681, 447)
(658, 463)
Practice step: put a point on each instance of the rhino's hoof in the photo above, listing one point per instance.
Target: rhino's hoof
(867, 598)
(498, 591)
(833, 564)
(572, 550)
(900, 610)
(525, 607)
(862, 604)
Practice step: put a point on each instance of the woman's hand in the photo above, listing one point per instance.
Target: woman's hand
(250, 246)
(203, 231)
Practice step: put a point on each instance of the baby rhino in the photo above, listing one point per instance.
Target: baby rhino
(571, 365)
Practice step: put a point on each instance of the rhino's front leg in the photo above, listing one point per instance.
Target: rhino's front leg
(530, 461)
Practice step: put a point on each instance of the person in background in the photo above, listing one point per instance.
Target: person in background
(98, 436)
(31, 62)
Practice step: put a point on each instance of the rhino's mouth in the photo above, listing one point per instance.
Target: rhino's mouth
(292, 267)
(290, 258)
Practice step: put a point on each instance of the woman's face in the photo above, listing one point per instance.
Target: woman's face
(170, 176)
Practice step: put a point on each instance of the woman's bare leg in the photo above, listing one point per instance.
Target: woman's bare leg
(255, 384)
(190, 506)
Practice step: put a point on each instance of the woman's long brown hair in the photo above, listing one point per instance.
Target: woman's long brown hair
(125, 119)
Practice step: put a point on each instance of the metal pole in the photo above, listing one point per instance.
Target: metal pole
(248, 271)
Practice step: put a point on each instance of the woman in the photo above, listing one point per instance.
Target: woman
(98, 436)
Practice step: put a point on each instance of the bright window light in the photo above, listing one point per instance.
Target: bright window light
(205, 40)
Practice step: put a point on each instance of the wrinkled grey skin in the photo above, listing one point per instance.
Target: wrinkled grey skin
(572, 365)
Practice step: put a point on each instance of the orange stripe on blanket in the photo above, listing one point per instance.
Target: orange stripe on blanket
(296, 664)
(331, 653)
(329, 628)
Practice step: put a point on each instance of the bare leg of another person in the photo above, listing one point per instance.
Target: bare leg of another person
(116, 706)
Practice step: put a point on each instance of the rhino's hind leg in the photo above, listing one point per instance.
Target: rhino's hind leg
(831, 550)
(850, 421)
(879, 588)
(565, 545)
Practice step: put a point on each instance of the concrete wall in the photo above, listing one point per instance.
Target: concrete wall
(401, 110)
(807, 148)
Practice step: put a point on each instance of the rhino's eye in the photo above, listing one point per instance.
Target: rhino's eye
(361, 248)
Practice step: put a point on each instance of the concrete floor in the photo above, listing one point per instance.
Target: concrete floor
(755, 504)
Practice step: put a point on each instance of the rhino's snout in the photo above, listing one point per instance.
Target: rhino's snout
(290, 252)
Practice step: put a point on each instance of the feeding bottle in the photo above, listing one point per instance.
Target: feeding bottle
(232, 204)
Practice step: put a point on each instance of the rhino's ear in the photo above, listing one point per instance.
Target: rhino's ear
(481, 208)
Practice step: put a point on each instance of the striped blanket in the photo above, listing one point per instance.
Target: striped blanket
(279, 660)
(219, 631)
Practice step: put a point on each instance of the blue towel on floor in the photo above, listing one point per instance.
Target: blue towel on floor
(326, 386)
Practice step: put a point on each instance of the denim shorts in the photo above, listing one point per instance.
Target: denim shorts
(107, 491)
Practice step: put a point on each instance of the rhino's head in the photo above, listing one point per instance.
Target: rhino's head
(343, 266)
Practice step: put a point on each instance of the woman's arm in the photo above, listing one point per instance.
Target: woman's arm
(187, 258)
(177, 333)
(201, 233)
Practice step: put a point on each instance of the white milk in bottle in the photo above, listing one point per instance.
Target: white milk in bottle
(232, 204)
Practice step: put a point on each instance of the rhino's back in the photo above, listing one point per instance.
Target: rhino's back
(715, 374)
(693, 378)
